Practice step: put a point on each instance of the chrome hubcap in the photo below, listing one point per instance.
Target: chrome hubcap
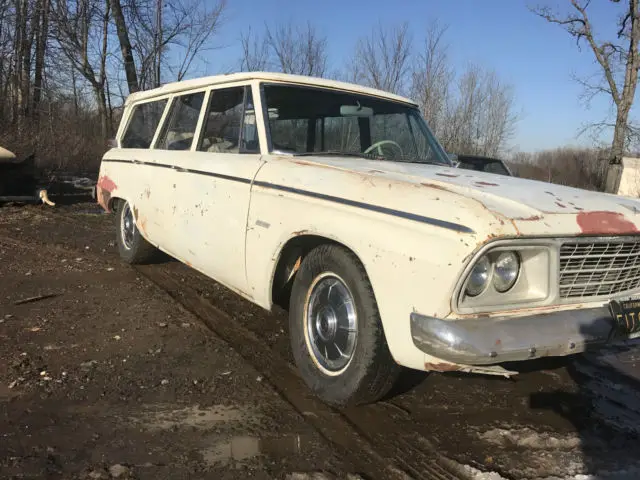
(127, 227)
(331, 321)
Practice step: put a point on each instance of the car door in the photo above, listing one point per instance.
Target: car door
(211, 190)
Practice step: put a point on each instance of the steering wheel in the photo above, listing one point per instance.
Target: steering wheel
(379, 144)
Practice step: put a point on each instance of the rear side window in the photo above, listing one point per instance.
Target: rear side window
(144, 122)
(230, 123)
(180, 126)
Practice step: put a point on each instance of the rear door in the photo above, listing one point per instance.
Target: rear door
(211, 187)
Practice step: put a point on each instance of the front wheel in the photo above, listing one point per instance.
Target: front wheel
(132, 246)
(336, 334)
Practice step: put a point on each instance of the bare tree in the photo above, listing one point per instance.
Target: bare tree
(125, 46)
(431, 78)
(74, 31)
(183, 26)
(255, 52)
(382, 60)
(619, 61)
(286, 48)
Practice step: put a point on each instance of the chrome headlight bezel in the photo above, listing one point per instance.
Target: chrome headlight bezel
(535, 284)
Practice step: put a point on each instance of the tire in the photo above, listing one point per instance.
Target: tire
(135, 249)
(333, 274)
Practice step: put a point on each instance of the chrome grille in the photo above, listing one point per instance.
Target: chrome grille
(600, 268)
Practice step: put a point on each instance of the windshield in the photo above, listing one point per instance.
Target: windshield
(308, 120)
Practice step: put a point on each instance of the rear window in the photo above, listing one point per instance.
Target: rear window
(144, 122)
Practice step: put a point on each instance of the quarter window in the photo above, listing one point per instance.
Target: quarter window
(181, 125)
(144, 122)
(230, 124)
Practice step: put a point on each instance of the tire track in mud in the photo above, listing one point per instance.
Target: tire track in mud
(379, 444)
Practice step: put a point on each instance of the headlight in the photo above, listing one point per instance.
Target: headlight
(506, 269)
(479, 277)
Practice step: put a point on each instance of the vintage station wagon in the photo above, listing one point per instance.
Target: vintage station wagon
(337, 202)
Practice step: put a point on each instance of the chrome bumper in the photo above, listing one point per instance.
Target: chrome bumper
(486, 341)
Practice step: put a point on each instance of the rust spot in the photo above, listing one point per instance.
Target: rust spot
(107, 184)
(498, 342)
(300, 232)
(518, 232)
(442, 367)
(533, 218)
(486, 184)
(561, 205)
(433, 185)
(604, 222)
(103, 199)
(450, 175)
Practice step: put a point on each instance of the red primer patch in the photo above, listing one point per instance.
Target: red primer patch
(605, 222)
(107, 184)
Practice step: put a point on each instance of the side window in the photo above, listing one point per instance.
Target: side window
(181, 123)
(221, 131)
(225, 130)
(143, 124)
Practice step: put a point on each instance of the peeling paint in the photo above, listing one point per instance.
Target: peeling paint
(107, 184)
(486, 184)
(433, 185)
(532, 218)
(605, 222)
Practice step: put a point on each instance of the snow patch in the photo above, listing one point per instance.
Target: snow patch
(529, 438)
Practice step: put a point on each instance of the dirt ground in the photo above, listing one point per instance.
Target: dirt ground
(157, 372)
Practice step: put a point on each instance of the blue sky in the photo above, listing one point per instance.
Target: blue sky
(537, 58)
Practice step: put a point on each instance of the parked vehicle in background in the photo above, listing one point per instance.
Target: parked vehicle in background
(337, 202)
(481, 164)
(19, 181)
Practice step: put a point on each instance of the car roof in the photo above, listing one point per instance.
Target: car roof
(203, 82)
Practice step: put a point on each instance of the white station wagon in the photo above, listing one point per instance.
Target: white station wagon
(337, 202)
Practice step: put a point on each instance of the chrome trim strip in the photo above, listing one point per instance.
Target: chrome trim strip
(321, 196)
(367, 206)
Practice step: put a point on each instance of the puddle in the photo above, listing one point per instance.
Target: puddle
(245, 447)
(194, 417)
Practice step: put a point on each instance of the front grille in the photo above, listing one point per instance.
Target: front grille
(599, 268)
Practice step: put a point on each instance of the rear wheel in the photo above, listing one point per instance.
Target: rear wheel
(133, 248)
(336, 334)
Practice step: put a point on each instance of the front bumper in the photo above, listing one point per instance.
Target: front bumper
(487, 341)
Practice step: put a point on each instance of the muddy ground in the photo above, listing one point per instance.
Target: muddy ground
(157, 372)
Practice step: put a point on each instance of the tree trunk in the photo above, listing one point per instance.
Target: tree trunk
(125, 47)
(101, 99)
(41, 45)
(614, 170)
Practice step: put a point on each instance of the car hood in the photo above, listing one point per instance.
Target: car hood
(526, 207)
